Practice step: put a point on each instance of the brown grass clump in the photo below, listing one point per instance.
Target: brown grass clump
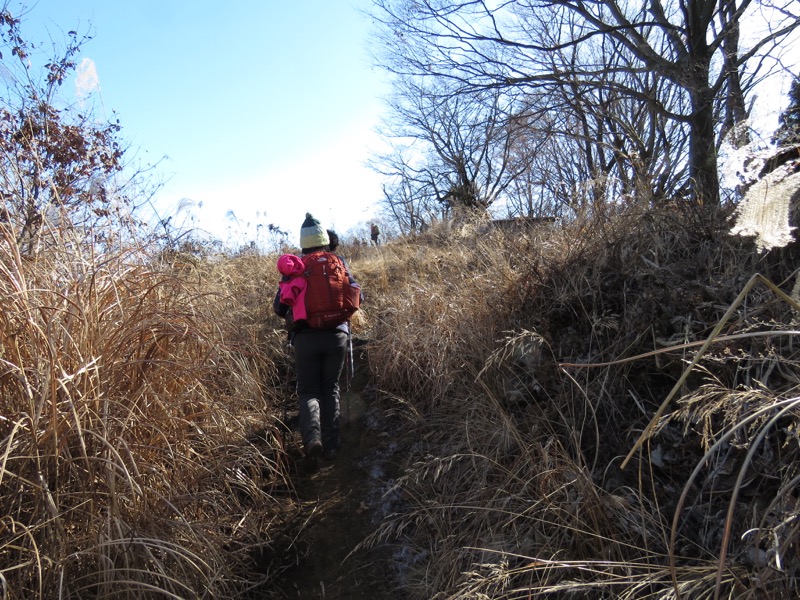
(606, 409)
(129, 398)
(436, 313)
(530, 365)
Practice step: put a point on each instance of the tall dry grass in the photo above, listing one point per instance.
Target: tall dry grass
(528, 366)
(137, 458)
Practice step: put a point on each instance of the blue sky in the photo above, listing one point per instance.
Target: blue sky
(265, 108)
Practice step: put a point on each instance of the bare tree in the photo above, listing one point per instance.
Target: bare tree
(407, 205)
(788, 133)
(694, 45)
(411, 192)
(449, 148)
(608, 146)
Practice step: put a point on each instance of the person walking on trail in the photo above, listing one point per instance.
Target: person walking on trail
(319, 351)
(374, 232)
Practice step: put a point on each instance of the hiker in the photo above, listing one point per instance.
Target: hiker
(374, 232)
(319, 354)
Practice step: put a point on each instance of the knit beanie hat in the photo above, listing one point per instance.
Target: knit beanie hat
(312, 234)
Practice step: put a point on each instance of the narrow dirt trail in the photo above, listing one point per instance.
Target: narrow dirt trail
(338, 505)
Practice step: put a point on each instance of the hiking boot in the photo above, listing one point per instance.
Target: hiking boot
(314, 449)
(313, 452)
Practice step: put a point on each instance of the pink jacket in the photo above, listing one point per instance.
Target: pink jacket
(293, 290)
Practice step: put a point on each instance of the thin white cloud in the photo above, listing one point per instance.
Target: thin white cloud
(86, 80)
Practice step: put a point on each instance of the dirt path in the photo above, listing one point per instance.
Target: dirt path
(337, 510)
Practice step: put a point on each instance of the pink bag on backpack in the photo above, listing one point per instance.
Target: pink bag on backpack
(293, 291)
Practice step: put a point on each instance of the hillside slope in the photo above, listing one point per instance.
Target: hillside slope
(524, 370)
(494, 445)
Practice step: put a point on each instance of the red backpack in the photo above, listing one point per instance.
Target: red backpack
(330, 297)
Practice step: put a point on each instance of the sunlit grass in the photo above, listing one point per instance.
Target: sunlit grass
(141, 454)
(512, 486)
(129, 398)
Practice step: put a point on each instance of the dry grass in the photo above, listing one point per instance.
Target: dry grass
(530, 364)
(129, 398)
(137, 401)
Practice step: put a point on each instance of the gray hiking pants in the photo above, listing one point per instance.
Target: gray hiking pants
(319, 357)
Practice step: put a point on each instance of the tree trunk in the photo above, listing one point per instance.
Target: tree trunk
(702, 145)
(702, 148)
(735, 109)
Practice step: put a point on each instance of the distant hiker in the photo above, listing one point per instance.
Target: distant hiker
(374, 232)
(319, 337)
